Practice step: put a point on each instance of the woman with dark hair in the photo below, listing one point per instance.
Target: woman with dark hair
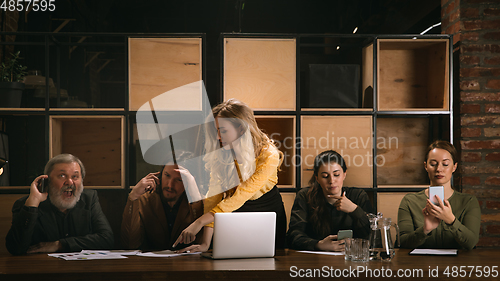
(326, 207)
(452, 224)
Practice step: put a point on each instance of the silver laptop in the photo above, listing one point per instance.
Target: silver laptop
(243, 235)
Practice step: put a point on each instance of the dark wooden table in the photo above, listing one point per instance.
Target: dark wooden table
(286, 265)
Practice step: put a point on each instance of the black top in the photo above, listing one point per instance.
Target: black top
(83, 227)
(301, 236)
(171, 212)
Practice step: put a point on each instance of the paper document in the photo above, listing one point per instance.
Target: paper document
(323, 253)
(88, 255)
(440, 252)
(165, 254)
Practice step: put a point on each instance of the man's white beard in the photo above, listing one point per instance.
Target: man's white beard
(57, 200)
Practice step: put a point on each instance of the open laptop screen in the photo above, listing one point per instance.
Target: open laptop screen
(244, 235)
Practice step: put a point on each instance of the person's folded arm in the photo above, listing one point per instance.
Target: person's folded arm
(19, 237)
(132, 228)
(466, 233)
(361, 222)
(210, 203)
(409, 237)
(297, 237)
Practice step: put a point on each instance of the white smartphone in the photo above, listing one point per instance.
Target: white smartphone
(436, 190)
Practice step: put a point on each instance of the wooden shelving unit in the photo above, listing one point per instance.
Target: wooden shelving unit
(395, 102)
(299, 86)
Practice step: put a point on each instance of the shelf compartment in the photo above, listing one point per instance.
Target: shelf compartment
(413, 74)
(388, 205)
(99, 143)
(282, 130)
(332, 72)
(23, 144)
(351, 136)
(158, 65)
(260, 72)
(401, 144)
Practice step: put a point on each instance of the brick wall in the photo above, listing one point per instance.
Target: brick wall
(475, 25)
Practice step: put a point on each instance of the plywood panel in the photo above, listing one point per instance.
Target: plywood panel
(260, 72)
(282, 130)
(6, 203)
(158, 65)
(351, 136)
(98, 142)
(288, 199)
(439, 68)
(367, 77)
(388, 204)
(402, 79)
(401, 144)
(413, 74)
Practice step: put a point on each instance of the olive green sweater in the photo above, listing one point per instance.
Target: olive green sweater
(462, 234)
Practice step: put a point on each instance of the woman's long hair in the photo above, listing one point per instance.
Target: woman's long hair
(220, 163)
(316, 198)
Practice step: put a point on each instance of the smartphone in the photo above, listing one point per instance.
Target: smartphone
(436, 190)
(43, 185)
(342, 234)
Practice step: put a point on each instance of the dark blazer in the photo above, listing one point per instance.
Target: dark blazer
(144, 224)
(86, 226)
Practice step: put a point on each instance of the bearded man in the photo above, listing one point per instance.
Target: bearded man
(70, 220)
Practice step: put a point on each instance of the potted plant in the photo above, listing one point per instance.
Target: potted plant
(11, 86)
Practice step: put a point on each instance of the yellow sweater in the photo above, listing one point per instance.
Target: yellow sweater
(263, 179)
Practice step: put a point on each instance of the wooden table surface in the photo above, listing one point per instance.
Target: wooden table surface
(286, 265)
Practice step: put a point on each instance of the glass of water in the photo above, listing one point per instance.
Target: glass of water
(360, 250)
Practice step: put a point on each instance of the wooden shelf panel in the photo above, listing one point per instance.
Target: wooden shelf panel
(158, 65)
(388, 205)
(282, 130)
(401, 144)
(413, 74)
(402, 186)
(351, 136)
(99, 143)
(260, 72)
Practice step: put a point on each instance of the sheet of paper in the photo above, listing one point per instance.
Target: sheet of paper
(118, 252)
(323, 253)
(165, 254)
(446, 252)
(88, 255)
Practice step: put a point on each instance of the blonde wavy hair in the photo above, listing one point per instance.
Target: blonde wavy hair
(220, 163)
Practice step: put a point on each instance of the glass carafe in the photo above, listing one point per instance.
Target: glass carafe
(381, 244)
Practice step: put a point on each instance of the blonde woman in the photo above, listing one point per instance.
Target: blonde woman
(249, 185)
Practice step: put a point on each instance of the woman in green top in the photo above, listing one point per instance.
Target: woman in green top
(453, 223)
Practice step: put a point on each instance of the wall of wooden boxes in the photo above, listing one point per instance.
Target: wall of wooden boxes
(399, 103)
(300, 87)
